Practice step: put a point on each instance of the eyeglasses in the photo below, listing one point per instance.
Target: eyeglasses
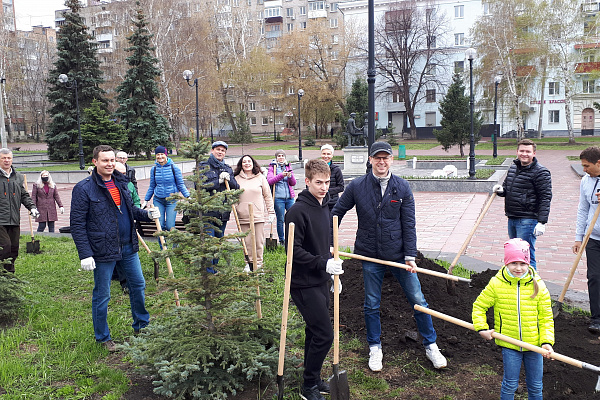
(385, 158)
(121, 158)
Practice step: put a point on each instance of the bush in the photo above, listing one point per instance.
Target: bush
(12, 296)
(340, 140)
(309, 142)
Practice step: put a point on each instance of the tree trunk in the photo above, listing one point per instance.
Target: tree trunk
(541, 116)
(228, 111)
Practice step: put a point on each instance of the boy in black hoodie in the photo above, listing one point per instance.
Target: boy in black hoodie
(311, 269)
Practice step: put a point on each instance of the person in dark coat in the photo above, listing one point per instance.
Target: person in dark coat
(103, 229)
(311, 269)
(11, 197)
(527, 191)
(385, 207)
(45, 197)
(129, 170)
(336, 186)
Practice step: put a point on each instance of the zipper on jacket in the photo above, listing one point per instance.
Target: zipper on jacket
(519, 312)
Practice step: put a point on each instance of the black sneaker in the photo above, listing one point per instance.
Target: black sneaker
(323, 387)
(594, 328)
(311, 393)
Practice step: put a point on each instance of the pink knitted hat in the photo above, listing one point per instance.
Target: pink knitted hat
(516, 250)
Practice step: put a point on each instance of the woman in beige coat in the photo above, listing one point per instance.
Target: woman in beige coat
(258, 193)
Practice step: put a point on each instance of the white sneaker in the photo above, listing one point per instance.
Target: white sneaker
(435, 356)
(247, 268)
(375, 359)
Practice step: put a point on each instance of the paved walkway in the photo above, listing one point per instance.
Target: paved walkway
(444, 220)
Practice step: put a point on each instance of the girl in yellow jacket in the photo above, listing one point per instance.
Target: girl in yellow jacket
(522, 310)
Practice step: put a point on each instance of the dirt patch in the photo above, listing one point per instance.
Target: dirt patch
(474, 365)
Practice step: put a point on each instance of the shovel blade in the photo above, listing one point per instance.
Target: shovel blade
(338, 385)
(556, 307)
(33, 247)
(451, 288)
(271, 244)
(156, 270)
(280, 386)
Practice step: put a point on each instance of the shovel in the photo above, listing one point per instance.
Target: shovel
(451, 285)
(156, 266)
(34, 245)
(338, 383)
(253, 233)
(271, 244)
(508, 339)
(404, 266)
(557, 306)
(284, 313)
(237, 223)
(168, 260)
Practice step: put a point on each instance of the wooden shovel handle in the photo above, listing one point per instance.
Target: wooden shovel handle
(167, 259)
(237, 223)
(500, 336)
(336, 296)
(143, 242)
(286, 298)
(404, 266)
(586, 238)
(28, 213)
(254, 255)
(470, 236)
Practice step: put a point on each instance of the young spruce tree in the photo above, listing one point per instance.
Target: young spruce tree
(213, 344)
(77, 59)
(456, 118)
(98, 127)
(137, 109)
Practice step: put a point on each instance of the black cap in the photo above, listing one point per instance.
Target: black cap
(381, 146)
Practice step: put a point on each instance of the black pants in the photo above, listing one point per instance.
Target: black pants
(592, 252)
(9, 241)
(42, 226)
(313, 304)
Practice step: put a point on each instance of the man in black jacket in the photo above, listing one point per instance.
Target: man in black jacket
(312, 266)
(527, 190)
(336, 186)
(129, 170)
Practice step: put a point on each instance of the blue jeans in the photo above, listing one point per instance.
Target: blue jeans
(281, 206)
(373, 277)
(534, 370)
(167, 210)
(132, 269)
(523, 228)
(215, 233)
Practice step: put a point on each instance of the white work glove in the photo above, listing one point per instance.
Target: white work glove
(332, 289)
(224, 176)
(498, 189)
(34, 212)
(271, 218)
(334, 267)
(88, 264)
(144, 204)
(539, 229)
(154, 213)
(62, 210)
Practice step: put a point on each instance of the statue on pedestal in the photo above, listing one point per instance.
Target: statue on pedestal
(353, 132)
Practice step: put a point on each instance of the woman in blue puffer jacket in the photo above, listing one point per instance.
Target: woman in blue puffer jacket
(165, 179)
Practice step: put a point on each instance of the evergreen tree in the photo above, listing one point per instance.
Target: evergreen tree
(214, 344)
(77, 59)
(242, 134)
(12, 296)
(137, 109)
(97, 127)
(456, 118)
(358, 99)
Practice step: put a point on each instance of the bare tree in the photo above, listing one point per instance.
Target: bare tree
(411, 53)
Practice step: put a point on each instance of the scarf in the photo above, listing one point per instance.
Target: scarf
(383, 182)
(219, 164)
(6, 174)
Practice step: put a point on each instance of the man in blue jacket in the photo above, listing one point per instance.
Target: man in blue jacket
(102, 226)
(386, 230)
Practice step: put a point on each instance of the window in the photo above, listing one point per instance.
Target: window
(291, 90)
(290, 27)
(289, 12)
(553, 88)
(430, 96)
(334, 7)
(249, 2)
(333, 23)
(459, 39)
(265, 120)
(335, 39)
(272, 12)
(303, 25)
(459, 66)
(486, 8)
(589, 26)
(235, 3)
(252, 106)
(397, 96)
(252, 120)
(431, 43)
(430, 69)
(302, 10)
(459, 11)
(589, 85)
(588, 56)
(553, 116)
(430, 118)
(334, 54)
(316, 5)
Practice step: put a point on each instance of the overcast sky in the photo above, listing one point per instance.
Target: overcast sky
(36, 12)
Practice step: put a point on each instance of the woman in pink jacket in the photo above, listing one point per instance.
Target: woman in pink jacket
(281, 175)
(257, 193)
(45, 197)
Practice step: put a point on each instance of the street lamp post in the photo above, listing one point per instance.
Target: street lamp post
(470, 54)
(497, 81)
(64, 79)
(300, 94)
(187, 75)
(2, 126)
(274, 109)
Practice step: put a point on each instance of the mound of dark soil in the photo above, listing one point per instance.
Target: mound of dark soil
(459, 345)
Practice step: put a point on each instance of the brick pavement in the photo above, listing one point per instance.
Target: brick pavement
(445, 219)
